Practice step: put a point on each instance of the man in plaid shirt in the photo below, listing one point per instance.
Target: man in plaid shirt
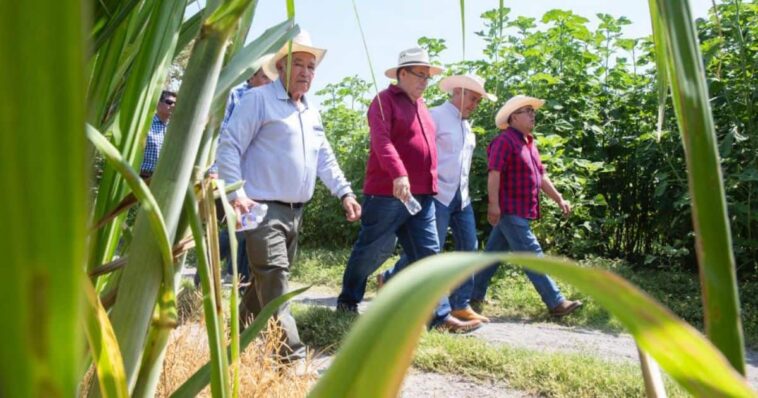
(157, 132)
(516, 176)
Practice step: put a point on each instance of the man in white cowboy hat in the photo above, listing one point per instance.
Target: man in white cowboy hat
(402, 165)
(516, 177)
(275, 142)
(455, 149)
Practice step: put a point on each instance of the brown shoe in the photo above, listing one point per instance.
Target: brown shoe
(565, 307)
(452, 324)
(468, 314)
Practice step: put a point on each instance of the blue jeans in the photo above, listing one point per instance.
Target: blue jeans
(383, 218)
(513, 233)
(462, 223)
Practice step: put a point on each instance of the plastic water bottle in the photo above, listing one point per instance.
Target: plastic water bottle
(412, 205)
(253, 218)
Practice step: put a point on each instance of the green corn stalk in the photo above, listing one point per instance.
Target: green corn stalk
(713, 242)
(44, 208)
(140, 283)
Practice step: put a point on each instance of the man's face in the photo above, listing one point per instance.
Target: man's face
(166, 106)
(303, 71)
(466, 101)
(258, 79)
(414, 80)
(523, 119)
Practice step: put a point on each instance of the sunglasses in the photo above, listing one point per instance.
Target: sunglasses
(169, 102)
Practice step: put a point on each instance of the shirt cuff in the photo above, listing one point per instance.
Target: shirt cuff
(238, 194)
(344, 191)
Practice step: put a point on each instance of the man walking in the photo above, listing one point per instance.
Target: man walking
(452, 204)
(402, 165)
(275, 141)
(514, 182)
(157, 132)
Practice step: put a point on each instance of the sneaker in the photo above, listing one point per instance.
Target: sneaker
(468, 314)
(565, 307)
(347, 308)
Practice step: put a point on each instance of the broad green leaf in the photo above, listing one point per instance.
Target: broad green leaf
(44, 169)
(190, 29)
(376, 353)
(141, 279)
(200, 379)
(661, 64)
(683, 352)
(103, 346)
(713, 239)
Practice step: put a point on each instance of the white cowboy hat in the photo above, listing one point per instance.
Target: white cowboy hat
(470, 82)
(413, 57)
(300, 43)
(518, 101)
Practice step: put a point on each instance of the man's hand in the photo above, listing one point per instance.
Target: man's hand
(401, 188)
(493, 213)
(242, 206)
(352, 208)
(565, 207)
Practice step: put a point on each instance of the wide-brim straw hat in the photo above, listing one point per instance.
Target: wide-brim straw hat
(469, 82)
(413, 57)
(518, 101)
(300, 43)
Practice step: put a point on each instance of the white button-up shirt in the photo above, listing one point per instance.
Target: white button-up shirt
(455, 149)
(278, 149)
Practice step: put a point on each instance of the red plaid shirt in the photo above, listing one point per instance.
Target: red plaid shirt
(521, 170)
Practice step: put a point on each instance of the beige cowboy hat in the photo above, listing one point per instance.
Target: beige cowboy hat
(413, 57)
(300, 43)
(470, 82)
(518, 101)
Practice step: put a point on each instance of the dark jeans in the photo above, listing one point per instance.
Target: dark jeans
(462, 223)
(385, 217)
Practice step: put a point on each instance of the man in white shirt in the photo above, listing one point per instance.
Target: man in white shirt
(275, 141)
(455, 148)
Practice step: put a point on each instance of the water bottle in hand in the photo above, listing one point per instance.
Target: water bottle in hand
(412, 205)
(253, 218)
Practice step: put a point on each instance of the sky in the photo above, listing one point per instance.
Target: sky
(391, 26)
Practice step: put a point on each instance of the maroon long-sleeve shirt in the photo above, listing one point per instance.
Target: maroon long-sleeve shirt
(402, 136)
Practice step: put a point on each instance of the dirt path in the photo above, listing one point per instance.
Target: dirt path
(536, 336)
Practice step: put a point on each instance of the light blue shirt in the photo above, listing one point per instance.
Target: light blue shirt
(278, 149)
(455, 149)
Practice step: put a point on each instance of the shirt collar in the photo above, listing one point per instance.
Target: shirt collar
(157, 119)
(452, 109)
(520, 135)
(396, 90)
(281, 93)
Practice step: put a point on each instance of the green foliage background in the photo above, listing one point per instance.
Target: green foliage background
(597, 134)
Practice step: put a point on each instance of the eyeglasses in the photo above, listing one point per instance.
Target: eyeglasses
(169, 102)
(419, 75)
(527, 110)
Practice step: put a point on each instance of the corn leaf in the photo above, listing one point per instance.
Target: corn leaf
(713, 239)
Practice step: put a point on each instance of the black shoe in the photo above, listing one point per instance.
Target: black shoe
(347, 308)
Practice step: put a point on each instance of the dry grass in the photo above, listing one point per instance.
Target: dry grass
(260, 374)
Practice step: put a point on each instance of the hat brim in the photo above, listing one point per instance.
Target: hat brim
(269, 68)
(501, 118)
(450, 83)
(433, 70)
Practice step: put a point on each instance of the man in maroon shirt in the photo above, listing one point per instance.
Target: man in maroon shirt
(402, 167)
(516, 176)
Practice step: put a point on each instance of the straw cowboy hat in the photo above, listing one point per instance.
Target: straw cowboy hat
(518, 101)
(300, 43)
(470, 82)
(413, 57)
